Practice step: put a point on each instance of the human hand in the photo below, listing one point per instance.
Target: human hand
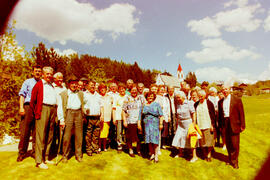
(22, 111)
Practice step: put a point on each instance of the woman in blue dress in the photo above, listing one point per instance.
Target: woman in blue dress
(153, 120)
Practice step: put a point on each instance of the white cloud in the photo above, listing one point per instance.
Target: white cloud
(65, 52)
(63, 20)
(239, 3)
(217, 50)
(265, 75)
(224, 74)
(241, 18)
(169, 54)
(267, 23)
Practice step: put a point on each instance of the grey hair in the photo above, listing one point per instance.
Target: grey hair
(130, 80)
(140, 85)
(202, 92)
(213, 89)
(181, 94)
(47, 68)
(58, 74)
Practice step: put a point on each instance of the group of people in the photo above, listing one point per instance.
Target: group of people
(128, 114)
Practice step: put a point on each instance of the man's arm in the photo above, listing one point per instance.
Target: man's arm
(21, 110)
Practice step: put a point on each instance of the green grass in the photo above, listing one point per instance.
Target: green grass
(254, 149)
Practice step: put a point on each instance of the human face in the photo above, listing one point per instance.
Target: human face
(80, 85)
(91, 87)
(154, 89)
(220, 95)
(48, 75)
(37, 72)
(140, 89)
(226, 91)
(129, 84)
(170, 91)
(122, 91)
(73, 86)
(161, 91)
(58, 80)
(102, 91)
(179, 99)
(201, 97)
(194, 97)
(150, 98)
(134, 92)
(113, 88)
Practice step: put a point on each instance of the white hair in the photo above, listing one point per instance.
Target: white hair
(58, 74)
(181, 94)
(213, 89)
(47, 68)
(202, 92)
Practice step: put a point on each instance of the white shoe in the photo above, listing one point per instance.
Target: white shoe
(49, 162)
(193, 159)
(176, 156)
(105, 150)
(224, 148)
(42, 166)
(159, 152)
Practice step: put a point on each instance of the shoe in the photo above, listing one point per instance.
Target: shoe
(193, 160)
(152, 157)
(227, 163)
(64, 160)
(159, 152)
(49, 162)
(177, 156)
(156, 160)
(105, 150)
(139, 153)
(224, 148)
(235, 166)
(163, 147)
(79, 159)
(20, 158)
(208, 159)
(42, 166)
(131, 155)
(89, 154)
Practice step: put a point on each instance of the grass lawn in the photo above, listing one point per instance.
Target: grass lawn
(254, 150)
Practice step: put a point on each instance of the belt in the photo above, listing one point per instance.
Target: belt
(50, 105)
(182, 119)
(27, 103)
(74, 109)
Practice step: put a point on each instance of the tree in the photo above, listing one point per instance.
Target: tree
(191, 79)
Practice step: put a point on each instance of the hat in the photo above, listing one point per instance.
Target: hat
(204, 83)
(72, 78)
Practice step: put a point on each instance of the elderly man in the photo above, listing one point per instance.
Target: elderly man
(27, 124)
(58, 83)
(232, 117)
(70, 112)
(173, 123)
(129, 86)
(82, 84)
(43, 102)
(94, 116)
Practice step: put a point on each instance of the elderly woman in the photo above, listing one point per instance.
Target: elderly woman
(153, 118)
(131, 113)
(205, 114)
(107, 102)
(194, 96)
(185, 114)
(117, 114)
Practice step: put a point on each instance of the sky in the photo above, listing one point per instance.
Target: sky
(219, 40)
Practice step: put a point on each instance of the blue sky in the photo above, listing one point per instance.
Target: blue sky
(225, 40)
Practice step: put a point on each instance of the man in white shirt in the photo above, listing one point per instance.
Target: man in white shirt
(43, 102)
(94, 115)
(69, 113)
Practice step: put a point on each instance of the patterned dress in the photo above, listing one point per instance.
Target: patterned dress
(151, 114)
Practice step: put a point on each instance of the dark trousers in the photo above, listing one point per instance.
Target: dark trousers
(73, 119)
(132, 136)
(92, 134)
(232, 143)
(44, 133)
(27, 128)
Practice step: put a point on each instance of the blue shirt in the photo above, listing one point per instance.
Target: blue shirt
(26, 89)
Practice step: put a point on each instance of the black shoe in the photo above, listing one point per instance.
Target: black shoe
(235, 166)
(20, 158)
(132, 155)
(79, 159)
